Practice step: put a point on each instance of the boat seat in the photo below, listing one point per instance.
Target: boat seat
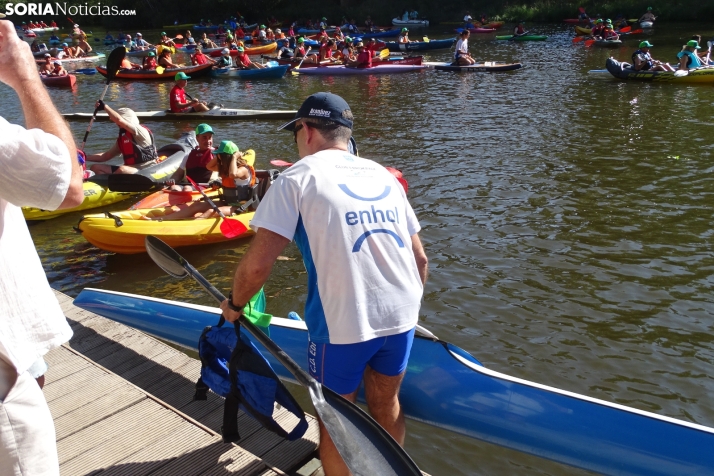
(263, 180)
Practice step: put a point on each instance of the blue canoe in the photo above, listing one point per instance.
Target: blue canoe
(272, 71)
(448, 388)
(421, 45)
(379, 34)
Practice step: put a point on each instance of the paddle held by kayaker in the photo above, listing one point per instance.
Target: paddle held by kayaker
(135, 144)
(520, 29)
(358, 235)
(642, 59)
(177, 96)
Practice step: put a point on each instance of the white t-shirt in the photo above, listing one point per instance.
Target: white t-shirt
(353, 224)
(462, 47)
(467, 18)
(35, 170)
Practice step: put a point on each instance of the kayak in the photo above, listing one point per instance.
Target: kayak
(608, 43)
(448, 388)
(625, 72)
(308, 31)
(522, 38)
(43, 30)
(169, 198)
(271, 71)
(377, 34)
(205, 28)
(168, 74)
(96, 194)
(342, 70)
(493, 24)
(486, 67)
(410, 23)
(477, 30)
(375, 61)
(212, 114)
(90, 58)
(582, 31)
(249, 50)
(646, 24)
(124, 232)
(66, 81)
(420, 45)
(142, 53)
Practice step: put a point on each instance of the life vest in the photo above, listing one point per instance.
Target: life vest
(132, 153)
(196, 165)
(232, 367)
(693, 60)
(644, 57)
(233, 193)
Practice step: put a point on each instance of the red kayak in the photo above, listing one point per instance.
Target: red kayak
(66, 81)
(477, 30)
(375, 61)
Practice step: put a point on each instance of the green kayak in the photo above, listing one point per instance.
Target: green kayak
(522, 38)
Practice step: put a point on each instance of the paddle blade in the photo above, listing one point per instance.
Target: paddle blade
(637, 32)
(384, 53)
(165, 257)
(578, 39)
(179, 37)
(626, 29)
(132, 183)
(426, 39)
(280, 163)
(589, 43)
(363, 444)
(160, 70)
(114, 62)
(681, 73)
(231, 228)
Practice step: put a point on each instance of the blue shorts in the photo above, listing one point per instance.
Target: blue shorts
(341, 366)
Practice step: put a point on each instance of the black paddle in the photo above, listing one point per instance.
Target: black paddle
(132, 183)
(113, 63)
(366, 447)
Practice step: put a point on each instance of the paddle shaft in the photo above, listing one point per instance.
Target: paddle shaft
(303, 58)
(91, 121)
(113, 62)
(207, 198)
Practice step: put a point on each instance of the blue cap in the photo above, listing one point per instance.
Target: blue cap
(322, 106)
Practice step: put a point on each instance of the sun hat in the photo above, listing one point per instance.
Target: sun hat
(324, 19)
(76, 26)
(278, 30)
(139, 34)
(359, 44)
(128, 115)
(225, 51)
(64, 45)
(47, 55)
(348, 39)
(694, 44)
(262, 27)
(57, 63)
(323, 106)
(646, 44)
(227, 147)
(151, 53)
(203, 129)
(181, 75)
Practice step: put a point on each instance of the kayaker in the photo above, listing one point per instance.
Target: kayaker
(468, 20)
(177, 96)
(323, 23)
(702, 54)
(710, 45)
(609, 33)
(404, 36)
(462, 57)
(66, 52)
(47, 66)
(688, 57)
(39, 169)
(199, 58)
(326, 50)
(165, 59)
(363, 59)
(207, 42)
(126, 64)
(141, 43)
(582, 16)
(648, 16)
(372, 47)
(195, 164)
(348, 51)
(520, 29)
(149, 61)
(135, 144)
(598, 29)
(237, 179)
(620, 22)
(166, 41)
(83, 47)
(243, 60)
(365, 263)
(643, 61)
(225, 61)
(57, 69)
(369, 24)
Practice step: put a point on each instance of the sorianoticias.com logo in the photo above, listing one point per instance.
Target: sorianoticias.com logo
(57, 8)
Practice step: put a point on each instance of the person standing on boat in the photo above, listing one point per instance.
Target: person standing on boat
(688, 57)
(648, 16)
(32, 323)
(462, 57)
(366, 266)
(643, 61)
(177, 96)
(135, 144)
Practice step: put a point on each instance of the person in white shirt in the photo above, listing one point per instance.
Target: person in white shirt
(462, 57)
(38, 168)
(366, 267)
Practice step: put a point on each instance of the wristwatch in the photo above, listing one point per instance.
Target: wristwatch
(232, 306)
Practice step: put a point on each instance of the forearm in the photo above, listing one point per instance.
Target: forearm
(422, 261)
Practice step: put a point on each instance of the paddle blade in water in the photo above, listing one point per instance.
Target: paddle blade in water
(232, 228)
(626, 29)
(589, 43)
(114, 62)
(639, 31)
(578, 39)
(165, 257)
(280, 163)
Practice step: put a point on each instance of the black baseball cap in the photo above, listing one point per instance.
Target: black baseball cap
(322, 106)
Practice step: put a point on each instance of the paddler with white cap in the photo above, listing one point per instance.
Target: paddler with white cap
(135, 144)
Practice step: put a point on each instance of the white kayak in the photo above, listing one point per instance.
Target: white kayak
(213, 114)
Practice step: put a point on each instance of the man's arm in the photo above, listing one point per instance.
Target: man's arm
(420, 256)
(254, 269)
(18, 70)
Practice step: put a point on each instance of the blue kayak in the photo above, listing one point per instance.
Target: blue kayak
(272, 71)
(448, 388)
(420, 45)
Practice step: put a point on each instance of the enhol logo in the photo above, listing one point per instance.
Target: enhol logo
(319, 113)
(56, 8)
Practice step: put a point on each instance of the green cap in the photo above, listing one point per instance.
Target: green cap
(324, 19)
(348, 39)
(598, 21)
(649, 8)
(226, 147)
(301, 40)
(646, 44)
(203, 129)
(694, 44)
(181, 75)
(241, 49)
(151, 53)
(163, 33)
(262, 27)
(404, 29)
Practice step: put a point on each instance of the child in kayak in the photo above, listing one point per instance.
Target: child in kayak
(195, 164)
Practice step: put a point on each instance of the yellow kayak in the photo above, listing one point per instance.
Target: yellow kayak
(94, 196)
(125, 232)
(582, 31)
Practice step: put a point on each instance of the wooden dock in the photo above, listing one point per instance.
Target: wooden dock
(122, 405)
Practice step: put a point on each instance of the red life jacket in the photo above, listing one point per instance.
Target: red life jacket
(132, 153)
(196, 165)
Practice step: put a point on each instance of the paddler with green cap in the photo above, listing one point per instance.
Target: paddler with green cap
(149, 61)
(195, 163)
(177, 97)
(643, 61)
(166, 41)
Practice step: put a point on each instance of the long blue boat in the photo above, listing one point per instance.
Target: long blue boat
(448, 388)
(420, 45)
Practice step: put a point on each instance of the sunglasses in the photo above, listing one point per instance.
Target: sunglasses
(314, 126)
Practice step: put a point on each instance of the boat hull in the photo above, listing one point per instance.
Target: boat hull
(250, 50)
(486, 67)
(608, 43)
(345, 71)
(213, 114)
(410, 23)
(66, 81)
(94, 196)
(389, 61)
(152, 75)
(622, 71)
(272, 72)
(522, 38)
(84, 59)
(444, 386)
(420, 45)
(646, 24)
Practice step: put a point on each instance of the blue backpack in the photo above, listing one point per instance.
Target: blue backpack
(233, 368)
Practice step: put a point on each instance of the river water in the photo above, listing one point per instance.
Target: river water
(567, 218)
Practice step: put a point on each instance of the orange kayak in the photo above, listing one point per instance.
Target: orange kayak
(167, 75)
(251, 50)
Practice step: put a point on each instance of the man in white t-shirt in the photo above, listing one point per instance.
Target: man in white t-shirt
(38, 168)
(366, 267)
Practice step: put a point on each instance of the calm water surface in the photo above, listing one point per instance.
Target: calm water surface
(567, 218)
